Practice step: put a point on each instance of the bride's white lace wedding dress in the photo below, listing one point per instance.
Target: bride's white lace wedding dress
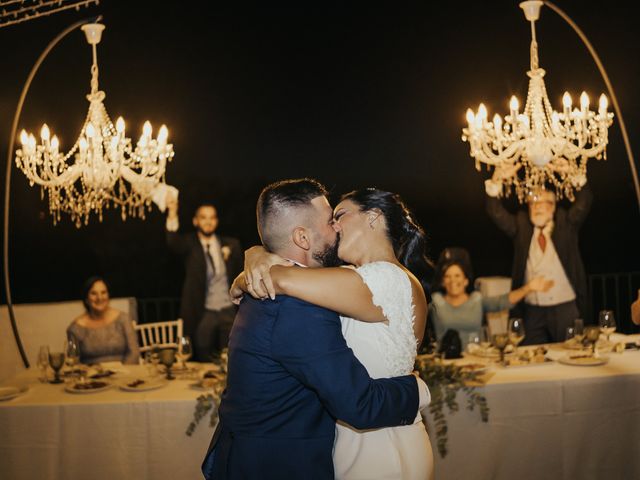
(386, 349)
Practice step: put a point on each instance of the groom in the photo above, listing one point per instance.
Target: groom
(291, 374)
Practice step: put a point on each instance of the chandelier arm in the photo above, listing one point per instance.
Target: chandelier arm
(14, 128)
(614, 100)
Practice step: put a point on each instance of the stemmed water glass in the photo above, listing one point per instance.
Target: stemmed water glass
(500, 341)
(43, 361)
(516, 331)
(607, 323)
(167, 357)
(592, 334)
(56, 360)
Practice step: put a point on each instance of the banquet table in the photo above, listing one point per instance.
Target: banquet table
(551, 421)
(47, 433)
(546, 422)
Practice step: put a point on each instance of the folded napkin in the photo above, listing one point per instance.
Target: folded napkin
(161, 192)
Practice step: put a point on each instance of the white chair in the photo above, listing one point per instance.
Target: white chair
(158, 334)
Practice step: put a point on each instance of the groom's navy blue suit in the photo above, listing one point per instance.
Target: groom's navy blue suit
(291, 375)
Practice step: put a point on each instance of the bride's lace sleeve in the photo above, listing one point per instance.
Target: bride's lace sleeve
(391, 290)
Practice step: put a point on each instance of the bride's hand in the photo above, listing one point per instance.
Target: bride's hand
(236, 292)
(257, 263)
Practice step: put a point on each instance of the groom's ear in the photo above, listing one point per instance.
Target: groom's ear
(301, 238)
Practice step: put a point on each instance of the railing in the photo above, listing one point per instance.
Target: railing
(614, 291)
(610, 291)
(158, 309)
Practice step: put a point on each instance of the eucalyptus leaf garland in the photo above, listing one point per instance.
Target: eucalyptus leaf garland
(444, 382)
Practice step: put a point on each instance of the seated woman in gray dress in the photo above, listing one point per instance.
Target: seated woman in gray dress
(456, 307)
(103, 333)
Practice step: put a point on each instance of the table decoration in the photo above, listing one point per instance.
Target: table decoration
(210, 402)
(445, 380)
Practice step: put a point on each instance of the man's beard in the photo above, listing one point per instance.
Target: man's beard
(206, 234)
(329, 256)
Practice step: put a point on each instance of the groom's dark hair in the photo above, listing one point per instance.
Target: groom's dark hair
(278, 198)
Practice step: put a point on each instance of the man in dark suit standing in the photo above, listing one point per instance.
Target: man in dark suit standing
(211, 261)
(545, 243)
(290, 372)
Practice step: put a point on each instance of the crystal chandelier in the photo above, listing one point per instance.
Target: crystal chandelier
(538, 148)
(102, 169)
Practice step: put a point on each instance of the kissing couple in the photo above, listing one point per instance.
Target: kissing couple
(320, 382)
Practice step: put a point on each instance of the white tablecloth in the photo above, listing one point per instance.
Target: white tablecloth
(546, 422)
(551, 422)
(50, 434)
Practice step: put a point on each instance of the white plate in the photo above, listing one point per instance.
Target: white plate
(70, 388)
(572, 345)
(148, 384)
(7, 393)
(583, 361)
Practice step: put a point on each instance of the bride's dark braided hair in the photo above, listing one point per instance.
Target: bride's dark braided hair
(407, 237)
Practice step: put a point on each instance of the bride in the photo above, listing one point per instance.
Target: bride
(383, 312)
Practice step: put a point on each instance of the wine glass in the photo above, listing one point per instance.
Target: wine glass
(515, 331)
(578, 330)
(500, 341)
(185, 350)
(485, 338)
(592, 334)
(56, 360)
(570, 337)
(607, 323)
(167, 357)
(43, 361)
(72, 354)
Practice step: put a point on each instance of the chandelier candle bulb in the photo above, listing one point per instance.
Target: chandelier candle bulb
(602, 106)
(45, 133)
(55, 143)
(584, 104)
(497, 125)
(566, 103)
(513, 106)
(120, 126)
(163, 134)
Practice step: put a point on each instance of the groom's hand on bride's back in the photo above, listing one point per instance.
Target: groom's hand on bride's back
(257, 263)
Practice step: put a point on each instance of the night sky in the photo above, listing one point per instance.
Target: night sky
(353, 94)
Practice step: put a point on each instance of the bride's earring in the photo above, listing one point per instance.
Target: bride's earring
(372, 221)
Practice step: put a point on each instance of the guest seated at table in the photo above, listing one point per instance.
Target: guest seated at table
(103, 333)
(635, 310)
(459, 308)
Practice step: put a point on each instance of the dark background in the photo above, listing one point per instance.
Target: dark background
(353, 94)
